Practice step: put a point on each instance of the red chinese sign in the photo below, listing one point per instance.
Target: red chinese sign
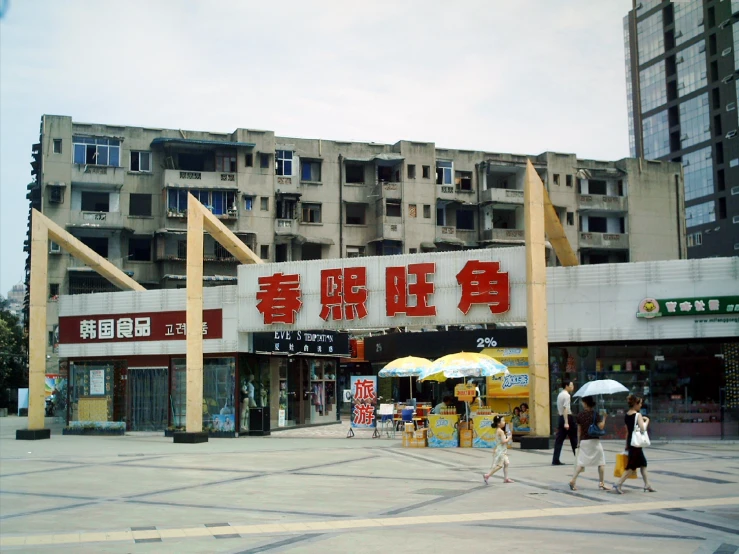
(398, 289)
(484, 283)
(344, 293)
(279, 298)
(146, 326)
(364, 398)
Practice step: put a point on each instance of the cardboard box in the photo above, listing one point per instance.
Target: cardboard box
(464, 425)
(409, 427)
(465, 438)
(420, 434)
(418, 443)
(407, 438)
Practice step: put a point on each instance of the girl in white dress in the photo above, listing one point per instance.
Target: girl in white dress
(500, 452)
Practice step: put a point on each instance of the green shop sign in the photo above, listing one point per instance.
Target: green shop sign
(713, 305)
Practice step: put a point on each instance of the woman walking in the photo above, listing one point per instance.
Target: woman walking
(500, 456)
(636, 454)
(590, 451)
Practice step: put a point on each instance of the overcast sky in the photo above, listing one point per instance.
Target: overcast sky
(522, 76)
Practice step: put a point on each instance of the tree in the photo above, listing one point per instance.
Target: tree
(13, 354)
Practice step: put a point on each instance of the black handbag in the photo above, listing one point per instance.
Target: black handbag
(594, 430)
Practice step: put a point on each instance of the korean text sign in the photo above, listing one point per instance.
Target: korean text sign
(364, 400)
(472, 286)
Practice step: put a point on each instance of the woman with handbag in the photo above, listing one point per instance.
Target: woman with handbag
(590, 451)
(635, 424)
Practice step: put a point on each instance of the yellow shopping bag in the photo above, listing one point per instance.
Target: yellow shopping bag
(620, 467)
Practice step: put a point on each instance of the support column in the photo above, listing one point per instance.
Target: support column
(37, 333)
(194, 358)
(536, 311)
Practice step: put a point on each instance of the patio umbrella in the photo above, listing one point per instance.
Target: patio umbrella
(464, 364)
(601, 386)
(410, 367)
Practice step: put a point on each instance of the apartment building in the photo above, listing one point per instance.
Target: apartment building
(123, 192)
(682, 60)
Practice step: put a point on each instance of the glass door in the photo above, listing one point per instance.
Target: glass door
(147, 387)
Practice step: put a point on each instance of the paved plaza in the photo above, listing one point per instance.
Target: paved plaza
(311, 490)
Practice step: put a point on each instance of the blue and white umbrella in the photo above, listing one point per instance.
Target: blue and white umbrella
(464, 364)
(410, 366)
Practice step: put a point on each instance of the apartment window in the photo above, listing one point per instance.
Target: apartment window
(284, 163)
(53, 290)
(698, 168)
(97, 244)
(426, 169)
(95, 201)
(54, 248)
(56, 194)
(412, 210)
(285, 207)
(96, 151)
(354, 173)
(57, 145)
(139, 250)
(413, 250)
(695, 239)
(248, 203)
(264, 203)
(310, 171)
(182, 249)
(466, 220)
(311, 213)
(140, 205)
(219, 202)
(597, 224)
(226, 161)
(355, 251)
(556, 178)
(392, 208)
(463, 180)
(220, 252)
(249, 160)
(141, 161)
(444, 173)
(597, 187)
(264, 251)
(264, 161)
(568, 180)
(427, 211)
(700, 214)
(355, 214)
(411, 171)
(570, 218)
(388, 174)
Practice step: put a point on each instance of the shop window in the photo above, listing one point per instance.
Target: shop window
(97, 391)
(139, 249)
(411, 171)
(218, 394)
(95, 201)
(140, 205)
(355, 214)
(355, 174)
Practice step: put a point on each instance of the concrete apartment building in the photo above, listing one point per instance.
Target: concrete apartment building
(682, 61)
(123, 190)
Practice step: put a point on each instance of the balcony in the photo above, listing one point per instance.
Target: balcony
(504, 235)
(601, 202)
(445, 192)
(287, 184)
(501, 196)
(389, 228)
(106, 177)
(617, 241)
(454, 236)
(176, 178)
(97, 220)
(390, 190)
(286, 227)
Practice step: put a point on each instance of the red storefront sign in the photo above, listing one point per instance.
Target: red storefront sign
(147, 326)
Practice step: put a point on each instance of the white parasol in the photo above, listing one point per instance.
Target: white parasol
(601, 386)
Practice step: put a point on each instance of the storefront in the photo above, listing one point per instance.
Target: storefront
(299, 375)
(668, 331)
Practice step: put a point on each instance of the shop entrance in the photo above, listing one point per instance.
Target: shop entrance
(297, 389)
(147, 390)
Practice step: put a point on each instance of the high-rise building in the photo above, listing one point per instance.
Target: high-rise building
(682, 61)
(122, 191)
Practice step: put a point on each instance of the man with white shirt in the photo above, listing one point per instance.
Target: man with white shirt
(567, 426)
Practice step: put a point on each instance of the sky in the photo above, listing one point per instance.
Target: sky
(523, 76)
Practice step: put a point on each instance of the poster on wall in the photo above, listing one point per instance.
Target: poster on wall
(484, 434)
(97, 382)
(364, 400)
(509, 394)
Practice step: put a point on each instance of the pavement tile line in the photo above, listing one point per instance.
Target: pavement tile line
(357, 524)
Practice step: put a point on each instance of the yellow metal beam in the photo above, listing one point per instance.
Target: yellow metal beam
(536, 301)
(43, 229)
(556, 233)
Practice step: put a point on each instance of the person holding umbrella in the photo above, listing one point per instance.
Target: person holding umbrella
(590, 452)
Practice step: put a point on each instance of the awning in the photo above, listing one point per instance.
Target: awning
(56, 184)
(384, 157)
(450, 240)
(428, 245)
(300, 239)
(200, 142)
(225, 278)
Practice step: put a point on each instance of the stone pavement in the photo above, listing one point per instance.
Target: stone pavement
(142, 493)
